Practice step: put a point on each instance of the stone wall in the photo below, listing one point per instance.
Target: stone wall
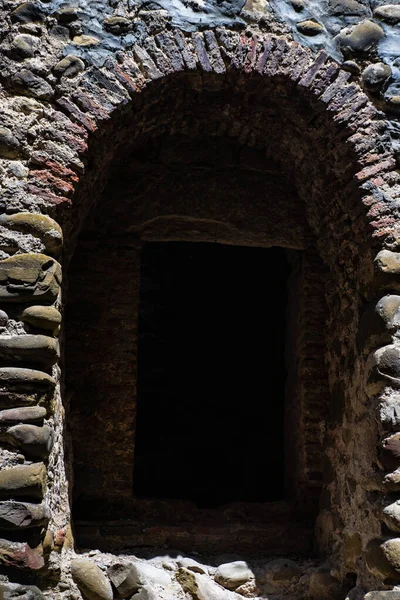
(82, 87)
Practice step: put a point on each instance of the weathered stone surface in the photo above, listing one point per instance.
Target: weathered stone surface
(374, 76)
(310, 27)
(23, 46)
(22, 515)
(129, 578)
(232, 575)
(389, 410)
(3, 318)
(390, 13)
(192, 565)
(391, 550)
(69, 66)
(9, 591)
(387, 261)
(20, 555)
(389, 361)
(376, 561)
(24, 414)
(67, 14)
(361, 38)
(116, 24)
(91, 580)
(40, 349)
(85, 40)
(27, 83)
(22, 376)
(383, 595)
(23, 481)
(324, 585)
(201, 588)
(146, 593)
(280, 573)
(40, 226)
(390, 454)
(383, 368)
(391, 516)
(26, 13)
(34, 441)
(347, 7)
(42, 317)
(388, 308)
(29, 276)
(9, 145)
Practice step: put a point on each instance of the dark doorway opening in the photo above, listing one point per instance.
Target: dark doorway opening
(211, 373)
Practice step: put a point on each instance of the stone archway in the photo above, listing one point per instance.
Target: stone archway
(326, 139)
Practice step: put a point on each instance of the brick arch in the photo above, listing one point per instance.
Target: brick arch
(348, 199)
(339, 116)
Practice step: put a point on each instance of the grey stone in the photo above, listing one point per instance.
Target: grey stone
(202, 588)
(34, 441)
(129, 578)
(146, 593)
(387, 261)
(91, 580)
(24, 414)
(40, 349)
(42, 317)
(361, 38)
(280, 573)
(232, 575)
(9, 591)
(20, 555)
(24, 277)
(309, 27)
(374, 76)
(22, 515)
(347, 7)
(41, 226)
(388, 308)
(67, 14)
(9, 145)
(355, 593)
(388, 361)
(383, 595)
(31, 377)
(323, 585)
(391, 516)
(23, 46)
(27, 83)
(298, 5)
(27, 12)
(3, 318)
(25, 481)
(351, 66)
(69, 66)
(390, 13)
(116, 24)
(192, 565)
(376, 561)
(391, 550)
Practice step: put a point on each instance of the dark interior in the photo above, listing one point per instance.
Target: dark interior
(211, 373)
